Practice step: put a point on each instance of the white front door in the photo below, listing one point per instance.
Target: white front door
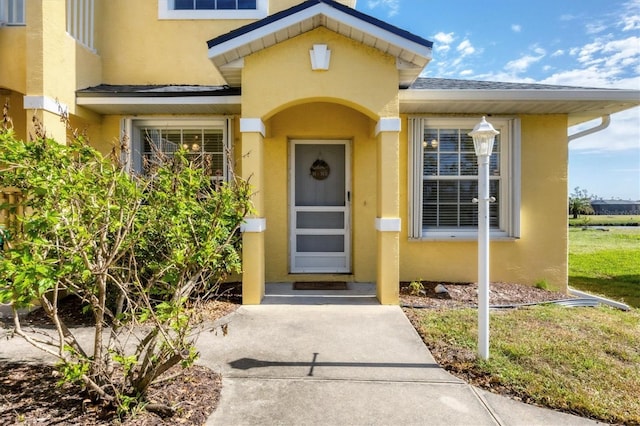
(320, 198)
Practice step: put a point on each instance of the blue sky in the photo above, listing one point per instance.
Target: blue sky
(589, 43)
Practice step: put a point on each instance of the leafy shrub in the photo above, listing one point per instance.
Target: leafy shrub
(138, 250)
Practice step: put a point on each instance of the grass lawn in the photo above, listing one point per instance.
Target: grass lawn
(606, 263)
(605, 220)
(582, 360)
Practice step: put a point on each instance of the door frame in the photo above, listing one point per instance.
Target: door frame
(292, 210)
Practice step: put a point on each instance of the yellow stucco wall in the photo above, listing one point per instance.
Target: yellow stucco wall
(541, 252)
(349, 80)
(320, 121)
(13, 49)
(16, 113)
(162, 51)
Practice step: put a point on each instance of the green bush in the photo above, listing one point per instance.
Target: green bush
(136, 249)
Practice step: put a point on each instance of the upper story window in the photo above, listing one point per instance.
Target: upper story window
(12, 12)
(80, 21)
(213, 9)
(444, 179)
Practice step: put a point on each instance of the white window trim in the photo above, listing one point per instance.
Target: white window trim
(81, 22)
(509, 227)
(166, 11)
(129, 127)
(12, 19)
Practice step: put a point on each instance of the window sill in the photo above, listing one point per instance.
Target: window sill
(211, 14)
(461, 236)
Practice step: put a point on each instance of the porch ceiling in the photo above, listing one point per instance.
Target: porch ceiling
(412, 53)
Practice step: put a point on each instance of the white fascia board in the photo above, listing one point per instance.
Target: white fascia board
(150, 100)
(427, 95)
(44, 103)
(330, 12)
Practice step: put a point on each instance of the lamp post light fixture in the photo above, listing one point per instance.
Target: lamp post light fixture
(483, 135)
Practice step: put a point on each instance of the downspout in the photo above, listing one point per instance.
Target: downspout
(606, 120)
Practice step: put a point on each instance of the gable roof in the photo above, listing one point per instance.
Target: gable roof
(227, 51)
(451, 96)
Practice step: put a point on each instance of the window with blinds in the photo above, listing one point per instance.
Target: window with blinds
(214, 4)
(213, 9)
(205, 143)
(443, 178)
(450, 179)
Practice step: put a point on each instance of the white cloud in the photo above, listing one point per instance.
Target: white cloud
(516, 28)
(558, 52)
(444, 38)
(443, 41)
(465, 48)
(631, 23)
(523, 63)
(590, 77)
(466, 73)
(630, 20)
(595, 27)
(539, 51)
(393, 6)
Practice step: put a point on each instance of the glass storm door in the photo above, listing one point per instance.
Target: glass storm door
(320, 200)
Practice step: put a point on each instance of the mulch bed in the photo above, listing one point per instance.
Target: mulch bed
(465, 295)
(30, 395)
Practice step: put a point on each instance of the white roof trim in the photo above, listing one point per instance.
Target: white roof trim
(525, 95)
(412, 55)
(311, 12)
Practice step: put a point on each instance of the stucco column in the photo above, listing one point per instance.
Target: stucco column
(48, 113)
(253, 132)
(45, 57)
(388, 222)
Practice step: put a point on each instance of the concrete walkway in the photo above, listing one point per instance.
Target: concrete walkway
(318, 360)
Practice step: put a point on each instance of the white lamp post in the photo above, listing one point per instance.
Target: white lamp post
(483, 137)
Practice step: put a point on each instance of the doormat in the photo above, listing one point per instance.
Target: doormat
(320, 285)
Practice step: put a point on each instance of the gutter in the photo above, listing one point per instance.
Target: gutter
(606, 120)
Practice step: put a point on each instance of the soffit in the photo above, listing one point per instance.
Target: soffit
(227, 52)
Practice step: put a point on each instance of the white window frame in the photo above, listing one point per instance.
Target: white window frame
(131, 127)
(509, 206)
(12, 12)
(81, 21)
(166, 11)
